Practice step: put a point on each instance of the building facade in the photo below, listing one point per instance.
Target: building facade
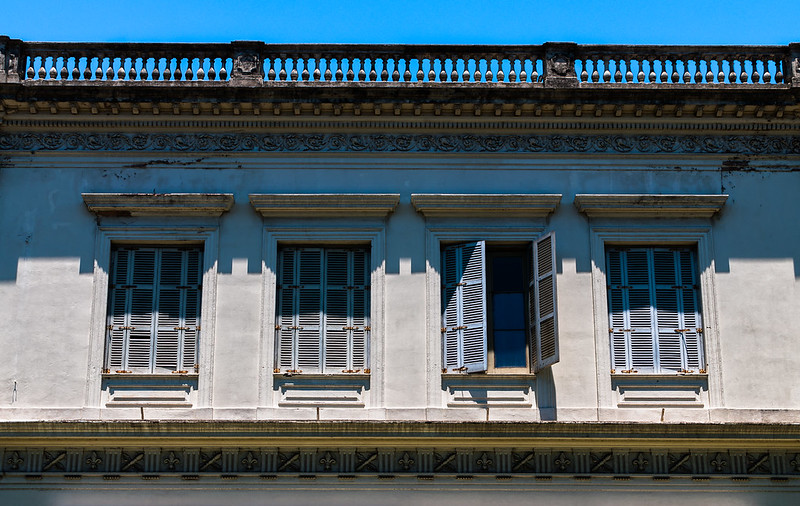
(392, 273)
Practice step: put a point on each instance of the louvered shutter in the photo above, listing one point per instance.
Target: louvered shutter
(119, 309)
(309, 305)
(142, 309)
(170, 308)
(338, 308)
(545, 321)
(654, 310)
(191, 314)
(360, 293)
(464, 307)
(288, 290)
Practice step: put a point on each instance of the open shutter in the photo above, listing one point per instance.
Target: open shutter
(545, 345)
(464, 307)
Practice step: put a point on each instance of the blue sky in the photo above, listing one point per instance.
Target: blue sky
(410, 21)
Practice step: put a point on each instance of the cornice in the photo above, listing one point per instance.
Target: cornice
(288, 205)
(158, 204)
(755, 144)
(649, 205)
(495, 205)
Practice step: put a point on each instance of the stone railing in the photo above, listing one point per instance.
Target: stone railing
(258, 64)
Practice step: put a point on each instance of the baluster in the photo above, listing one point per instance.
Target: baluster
(53, 72)
(30, 73)
(743, 75)
(350, 75)
(212, 72)
(201, 71)
(442, 71)
(709, 74)
(674, 77)
(64, 73)
(87, 70)
(167, 69)
(132, 70)
(407, 72)
(767, 76)
(178, 73)
(317, 72)
(755, 76)
(512, 69)
(269, 64)
(373, 74)
(523, 74)
(283, 62)
(98, 70)
(339, 73)
(362, 74)
(698, 76)
(294, 74)
(501, 76)
(618, 72)
(328, 74)
(110, 68)
(731, 71)
(223, 69)
(420, 63)
(42, 70)
(534, 70)
(595, 77)
(652, 74)
(143, 71)
(489, 74)
(121, 69)
(156, 73)
(304, 75)
(477, 74)
(720, 70)
(454, 70)
(778, 70)
(431, 71)
(189, 75)
(395, 70)
(606, 70)
(76, 71)
(628, 71)
(687, 77)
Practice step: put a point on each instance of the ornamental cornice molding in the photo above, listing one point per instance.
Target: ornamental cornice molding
(649, 205)
(158, 204)
(300, 205)
(405, 143)
(433, 205)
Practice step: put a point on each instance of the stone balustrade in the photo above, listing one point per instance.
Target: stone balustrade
(259, 64)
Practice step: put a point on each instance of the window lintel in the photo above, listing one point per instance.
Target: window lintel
(642, 205)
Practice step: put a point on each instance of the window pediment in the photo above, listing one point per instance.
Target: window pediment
(324, 204)
(158, 204)
(641, 205)
(485, 205)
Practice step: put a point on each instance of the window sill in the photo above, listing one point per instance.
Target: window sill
(321, 375)
(660, 375)
(160, 375)
(484, 375)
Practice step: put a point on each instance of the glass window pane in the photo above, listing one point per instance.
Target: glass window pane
(509, 348)
(508, 311)
(508, 274)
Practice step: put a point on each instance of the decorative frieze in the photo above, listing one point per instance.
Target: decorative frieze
(410, 143)
(453, 461)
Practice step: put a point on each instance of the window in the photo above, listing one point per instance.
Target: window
(498, 307)
(654, 310)
(154, 309)
(323, 310)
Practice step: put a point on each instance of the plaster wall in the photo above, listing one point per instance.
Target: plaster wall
(48, 255)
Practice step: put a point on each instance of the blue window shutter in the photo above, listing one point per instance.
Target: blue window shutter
(338, 310)
(286, 320)
(360, 321)
(639, 302)
(142, 308)
(171, 306)
(464, 307)
(617, 312)
(689, 296)
(119, 309)
(309, 306)
(546, 351)
(191, 313)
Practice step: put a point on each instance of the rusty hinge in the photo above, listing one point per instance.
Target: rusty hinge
(277, 369)
(462, 327)
(196, 367)
(367, 371)
(613, 371)
(367, 328)
(444, 329)
(462, 368)
(127, 328)
(699, 331)
(678, 331)
(106, 371)
(702, 371)
(277, 327)
(349, 328)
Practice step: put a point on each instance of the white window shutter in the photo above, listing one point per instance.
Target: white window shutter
(309, 307)
(360, 281)
(191, 314)
(618, 315)
(119, 309)
(464, 307)
(338, 310)
(288, 297)
(690, 311)
(142, 309)
(546, 351)
(171, 306)
(637, 270)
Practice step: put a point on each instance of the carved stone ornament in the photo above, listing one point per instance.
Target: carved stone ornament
(245, 64)
(410, 143)
(560, 64)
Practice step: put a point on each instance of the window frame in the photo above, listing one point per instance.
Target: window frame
(298, 234)
(698, 237)
(108, 236)
(439, 237)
